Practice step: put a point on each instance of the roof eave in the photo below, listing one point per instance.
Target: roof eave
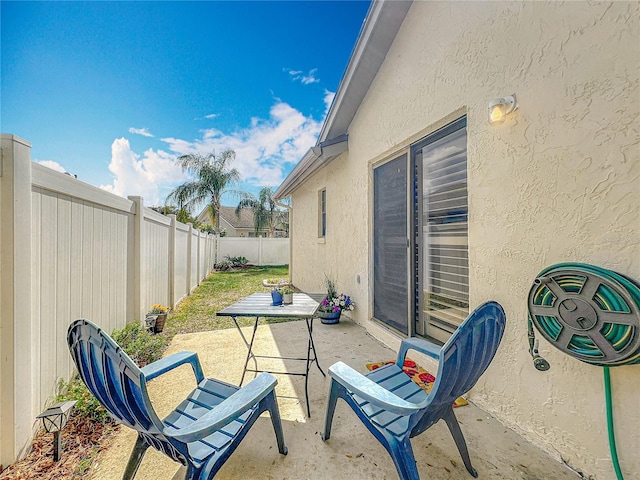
(315, 158)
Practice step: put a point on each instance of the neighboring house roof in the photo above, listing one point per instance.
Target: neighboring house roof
(376, 36)
(228, 214)
(245, 220)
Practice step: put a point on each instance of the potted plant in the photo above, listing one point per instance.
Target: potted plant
(156, 318)
(287, 294)
(276, 296)
(276, 285)
(333, 304)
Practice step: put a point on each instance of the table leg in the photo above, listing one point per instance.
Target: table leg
(249, 347)
(311, 346)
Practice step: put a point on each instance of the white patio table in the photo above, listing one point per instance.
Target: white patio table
(260, 305)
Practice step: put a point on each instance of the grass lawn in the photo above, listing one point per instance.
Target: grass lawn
(197, 313)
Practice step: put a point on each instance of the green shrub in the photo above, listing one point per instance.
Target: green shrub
(140, 345)
(87, 405)
(238, 261)
(222, 265)
(230, 262)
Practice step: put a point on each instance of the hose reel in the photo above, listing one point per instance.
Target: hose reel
(591, 314)
(587, 312)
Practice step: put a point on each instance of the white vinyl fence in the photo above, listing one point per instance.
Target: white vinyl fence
(69, 250)
(258, 251)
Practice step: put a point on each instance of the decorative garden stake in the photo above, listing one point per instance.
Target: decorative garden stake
(54, 419)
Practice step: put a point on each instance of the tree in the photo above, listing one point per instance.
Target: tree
(181, 214)
(266, 214)
(212, 175)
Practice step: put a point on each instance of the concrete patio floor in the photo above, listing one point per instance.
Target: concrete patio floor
(352, 453)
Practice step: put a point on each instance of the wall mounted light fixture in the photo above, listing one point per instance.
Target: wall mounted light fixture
(499, 108)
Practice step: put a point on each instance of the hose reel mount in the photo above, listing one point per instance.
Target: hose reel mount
(587, 312)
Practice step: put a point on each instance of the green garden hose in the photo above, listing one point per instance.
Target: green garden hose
(612, 437)
(592, 314)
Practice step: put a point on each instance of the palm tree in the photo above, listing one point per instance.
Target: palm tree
(266, 215)
(212, 175)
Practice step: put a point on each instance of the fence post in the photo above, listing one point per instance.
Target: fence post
(172, 260)
(138, 232)
(189, 250)
(260, 250)
(198, 266)
(16, 414)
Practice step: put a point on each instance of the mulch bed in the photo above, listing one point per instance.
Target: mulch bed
(82, 440)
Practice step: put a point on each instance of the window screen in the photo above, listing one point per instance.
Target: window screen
(390, 293)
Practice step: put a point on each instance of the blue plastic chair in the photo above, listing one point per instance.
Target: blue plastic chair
(201, 433)
(395, 409)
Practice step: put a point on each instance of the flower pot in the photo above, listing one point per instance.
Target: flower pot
(276, 296)
(160, 320)
(154, 323)
(330, 318)
(287, 298)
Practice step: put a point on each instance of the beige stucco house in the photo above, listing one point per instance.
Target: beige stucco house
(411, 197)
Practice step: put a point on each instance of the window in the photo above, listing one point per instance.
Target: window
(322, 213)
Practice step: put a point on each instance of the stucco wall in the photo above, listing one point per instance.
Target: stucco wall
(559, 181)
(342, 254)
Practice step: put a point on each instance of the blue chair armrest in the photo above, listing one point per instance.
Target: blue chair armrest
(226, 411)
(420, 345)
(371, 391)
(166, 364)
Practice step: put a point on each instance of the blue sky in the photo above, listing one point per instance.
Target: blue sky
(114, 91)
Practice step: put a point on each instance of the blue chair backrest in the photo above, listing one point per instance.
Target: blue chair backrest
(112, 377)
(463, 359)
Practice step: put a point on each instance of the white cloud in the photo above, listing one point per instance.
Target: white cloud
(265, 152)
(265, 149)
(306, 79)
(212, 116)
(141, 131)
(52, 165)
(328, 99)
(144, 176)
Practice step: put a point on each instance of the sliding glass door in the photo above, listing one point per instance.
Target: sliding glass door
(420, 239)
